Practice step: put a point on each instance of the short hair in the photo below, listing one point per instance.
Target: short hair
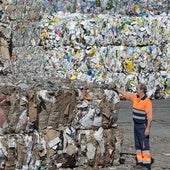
(143, 87)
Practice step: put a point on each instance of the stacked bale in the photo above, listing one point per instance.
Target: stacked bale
(47, 40)
(68, 127)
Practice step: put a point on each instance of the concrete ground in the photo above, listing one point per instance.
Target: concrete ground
(159, 136)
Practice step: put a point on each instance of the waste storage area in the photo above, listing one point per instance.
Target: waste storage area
(56, 58)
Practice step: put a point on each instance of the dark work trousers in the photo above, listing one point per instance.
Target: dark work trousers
(142, 147)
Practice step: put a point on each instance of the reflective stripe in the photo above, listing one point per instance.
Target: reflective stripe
(146, 162)
(139, 117)
(139, 111)
(146, 152)
(138, 150)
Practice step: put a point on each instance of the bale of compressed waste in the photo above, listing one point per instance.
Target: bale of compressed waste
(67, 127)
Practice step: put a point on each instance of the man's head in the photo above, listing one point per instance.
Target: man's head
(141, 89)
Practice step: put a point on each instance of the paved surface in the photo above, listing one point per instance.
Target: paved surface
(159, 138)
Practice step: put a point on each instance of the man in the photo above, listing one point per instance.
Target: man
(142, 117)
